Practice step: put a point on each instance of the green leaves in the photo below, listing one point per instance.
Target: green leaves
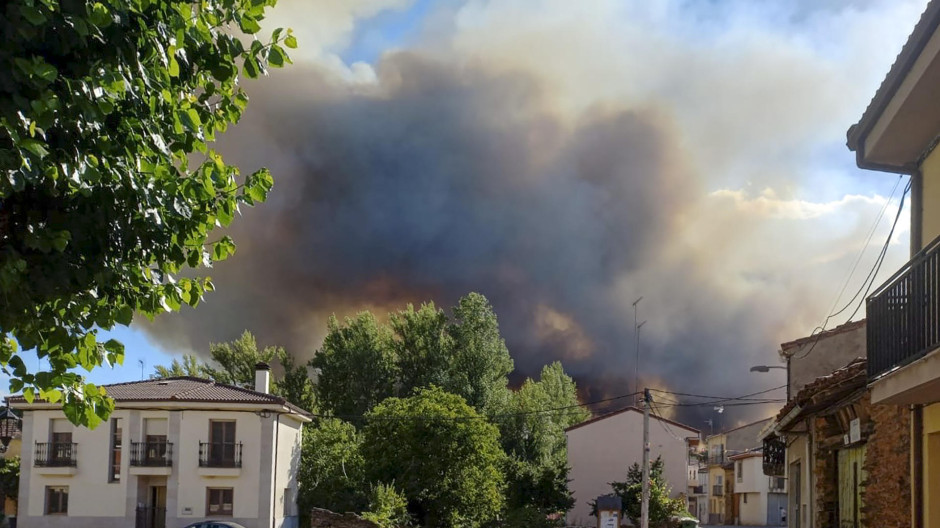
(104, 203)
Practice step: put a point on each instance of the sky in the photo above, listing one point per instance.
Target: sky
(562, 158)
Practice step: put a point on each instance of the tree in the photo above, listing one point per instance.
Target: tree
(481, 361)
(443, 456)
(103, 198)
(295, 386)
(9, 478)
(464, 355)
(423, 347)
(345, 388)
(661, 507)
(189, 366)
(387, 507)
(234, 363)
(532, 430)
(331, 472)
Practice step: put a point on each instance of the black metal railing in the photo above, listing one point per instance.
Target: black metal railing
(150, 517)
(152, 454)
(716, 459)
(220, 454)
(698, 490)
(904, 314)
(55, 454)
(718, 490)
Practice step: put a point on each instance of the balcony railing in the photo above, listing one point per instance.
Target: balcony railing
(777, 484)
(698, 490)
(718, 490)
(904, 314)
(55, 454)
(152, 454)
(220, 454)
(716, 459)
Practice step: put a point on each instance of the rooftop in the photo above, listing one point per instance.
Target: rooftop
(631, 409)
(841, 329)
(185, 389)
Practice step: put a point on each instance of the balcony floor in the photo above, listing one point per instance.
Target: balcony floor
(916, 383)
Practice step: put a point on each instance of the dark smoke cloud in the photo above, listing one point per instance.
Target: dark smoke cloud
(443, 178)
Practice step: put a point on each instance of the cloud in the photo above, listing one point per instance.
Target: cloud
(563, 160)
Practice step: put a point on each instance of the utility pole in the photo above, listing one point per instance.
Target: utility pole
(636, 335)
(645, 503)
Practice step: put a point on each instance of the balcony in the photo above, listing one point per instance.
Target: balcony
(718, 490)
(151, 458)
(903, 329)
(55, 458)
(716, 459)
(698, 490)
(220, 458)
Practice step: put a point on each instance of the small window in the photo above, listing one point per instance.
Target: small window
(114, 473)
(219, 501)
(740, 469)
(745, 497)
(57, 500)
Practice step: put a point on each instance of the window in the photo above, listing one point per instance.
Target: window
(219, 501)
(740, 468)
(57, 500)
(745, 497)
(114, 474)
(222, 441)
(61, 449)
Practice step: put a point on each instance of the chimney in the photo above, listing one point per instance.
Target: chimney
(262, 377)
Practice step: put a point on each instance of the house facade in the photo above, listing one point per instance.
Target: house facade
(600, 451)
(760, 500)
(898, 133)
(174, 451)
(723, 508)
(847, 459)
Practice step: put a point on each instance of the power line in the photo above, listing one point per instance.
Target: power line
(866, 284)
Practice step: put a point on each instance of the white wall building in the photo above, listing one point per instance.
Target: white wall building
(761, 500)
(173, 452)
(600, 451)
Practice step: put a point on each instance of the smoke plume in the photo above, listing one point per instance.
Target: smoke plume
(563, 161)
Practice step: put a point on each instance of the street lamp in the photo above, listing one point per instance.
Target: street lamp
(766, 368)
(9, 426)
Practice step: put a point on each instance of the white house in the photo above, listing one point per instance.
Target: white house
(600, 451)
(174, 451)
(761, 500)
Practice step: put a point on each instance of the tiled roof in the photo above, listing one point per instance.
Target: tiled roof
(827, 390)
(926, 26)
(187, 389)
(628, 409)
(841, 329)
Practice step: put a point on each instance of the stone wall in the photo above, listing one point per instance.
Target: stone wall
(327, 519)
(826, 471)
(887, 493)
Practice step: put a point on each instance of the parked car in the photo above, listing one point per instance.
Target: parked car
(214, 524)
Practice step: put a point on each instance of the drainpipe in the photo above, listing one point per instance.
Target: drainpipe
(917, 461)
(277, 432)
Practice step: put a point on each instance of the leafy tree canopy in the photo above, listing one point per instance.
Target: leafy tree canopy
(234, 363)
(108, 187)
(443, 456)
(463, 355)
(344, 388)
(331, 472)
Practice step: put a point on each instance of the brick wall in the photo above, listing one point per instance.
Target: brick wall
(887, 495)
(826, 472)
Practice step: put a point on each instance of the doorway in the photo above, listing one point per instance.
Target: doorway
(794, 518)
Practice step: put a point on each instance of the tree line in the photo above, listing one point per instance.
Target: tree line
(415, 420)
